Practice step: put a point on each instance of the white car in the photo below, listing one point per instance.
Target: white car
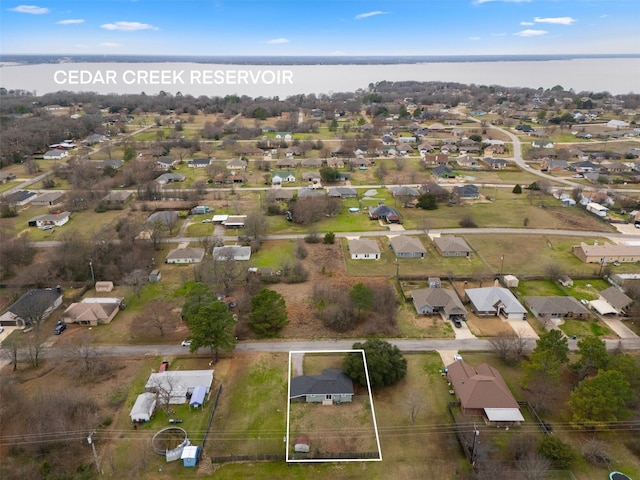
(457, 357)
(186, 343)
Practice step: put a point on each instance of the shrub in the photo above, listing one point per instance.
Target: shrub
(329, 238)
(467, 222)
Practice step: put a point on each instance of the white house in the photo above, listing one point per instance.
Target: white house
(597, 209)
(50, 219)
(234, 252)
(364, 249)
(55, 154)
(175, 385)
(185, 255)
(495, 301)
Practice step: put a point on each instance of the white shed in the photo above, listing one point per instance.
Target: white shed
(143, 408)
(510, 281)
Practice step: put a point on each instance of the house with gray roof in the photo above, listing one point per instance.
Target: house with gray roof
(616, 298)
(185, 255)
(429, 301)
(408, 247)
(386, 213)
(21, 197)
(33, 306)
(364, 249)
(232, 252)
(495, 301)
(48, 199)
(55, 154)
(343, 192)
(170, 178)
(451, 246)
(556, 307)
(467, 192)
(332, 385)
(199, 163)
(442, 171)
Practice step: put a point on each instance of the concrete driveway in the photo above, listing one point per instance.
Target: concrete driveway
(522, 328)
(619, 328)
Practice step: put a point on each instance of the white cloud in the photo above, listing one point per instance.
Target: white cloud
(556, 20)
(473, 39)
(529, 32)
(370, 14)
(128, 26)
(110, 44)
(498, 34)
(527, 24)
(71, 21)
(31, 9)
(277, 41)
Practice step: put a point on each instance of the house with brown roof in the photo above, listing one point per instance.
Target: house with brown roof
(483, 392)
(451, 246)
(92, 311)
(607, 253)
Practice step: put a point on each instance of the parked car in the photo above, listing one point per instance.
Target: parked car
(164, 366)
(61, 327)
(1, 329)
(186, 343)
(457, 323)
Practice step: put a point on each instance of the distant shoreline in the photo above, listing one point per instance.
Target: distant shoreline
(35, 59)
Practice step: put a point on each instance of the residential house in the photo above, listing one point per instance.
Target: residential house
(495, 301)
(404, 193)
(237, 164)
(605, 254)
(335, 162)
(407, 139)
(293, 152)
(199, 163)
(442, 171)
(466, 161)
(278, 178)
(117, 197)
(364, 249)
(50, 219)
(597, 209)
(6, 177)
(176, 386)
(232, 252)
(383, 212)
(429, 301)
(451, 246)
(438, 159)
(343, 192)
(494, 150)
(234, 221)
(93, 139)
(467, 192)
(617, 124)
(607, 166)
(284, 136)
(166, 178)
(425, 148)
(313, 177)
(556, 307)
(92, 311)
(311, 163)
(279, 194)
(408, 247)
(19, 198)
(113, 164)
(185, 255)
(166, 163)
(33, 306)
(360, 162)
(584, 166)
(287, 163)
(332, 385)
(496, 163)
(616, 298)
(48, 199)
(311, 191)
(483, 392)
(553, 165)
(55, 154)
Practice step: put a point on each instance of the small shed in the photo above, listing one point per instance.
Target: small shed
(301, 444)
(510, 281)
(155, 276)
(197, 397)
(190, 455)
(104, 287)
(565, 281)
(143, 408)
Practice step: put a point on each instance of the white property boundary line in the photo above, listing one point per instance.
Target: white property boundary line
(373, 413)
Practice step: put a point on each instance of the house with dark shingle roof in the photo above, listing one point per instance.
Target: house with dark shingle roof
(33, 306)
(442, 171)
(616, 298)
(331, 385)
(388, 214)
(467, 192)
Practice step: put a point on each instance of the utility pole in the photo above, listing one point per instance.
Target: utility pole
(93, 447)
(93, 277)
(501, 264)
(474, 452)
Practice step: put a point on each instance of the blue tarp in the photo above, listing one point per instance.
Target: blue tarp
(197, 397)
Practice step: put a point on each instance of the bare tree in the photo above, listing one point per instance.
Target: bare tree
(256, 225)
(534, 466)
(137, 278)
(415, 403)
(508, 346)
(165, 387)
(157, 315)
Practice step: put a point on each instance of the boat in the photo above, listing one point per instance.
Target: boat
(619, 476)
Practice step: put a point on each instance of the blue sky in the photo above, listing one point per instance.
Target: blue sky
(313, 27)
